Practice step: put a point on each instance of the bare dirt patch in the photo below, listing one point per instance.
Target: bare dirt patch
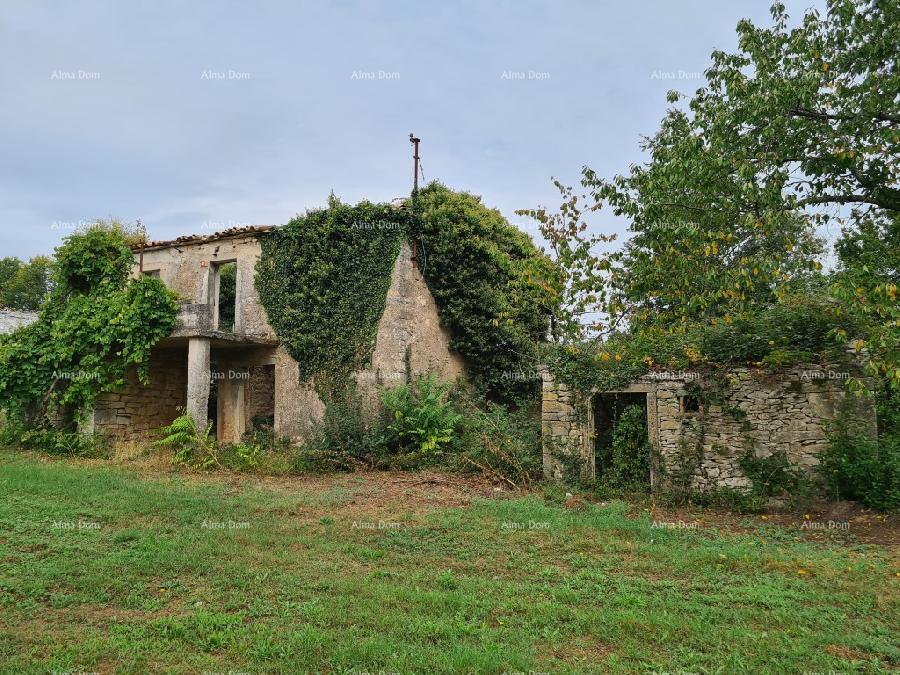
(837, 522)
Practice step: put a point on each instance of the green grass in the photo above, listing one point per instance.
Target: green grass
(449, 590)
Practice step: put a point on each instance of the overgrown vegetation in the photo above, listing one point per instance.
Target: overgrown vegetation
(624, 464)
(192, 446)
(798, 329)
(723, 264)
(94, 327)
(15, 435)
(24, 285)
(494, 289)
(867, 470)
(323, 279)
(502, 442)
(422, 424)
(420, 420)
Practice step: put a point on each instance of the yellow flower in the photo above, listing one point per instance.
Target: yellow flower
(801, 572)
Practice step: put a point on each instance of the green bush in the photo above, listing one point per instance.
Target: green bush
(773, 476)
(500, 442)
(344, 440)
(192, 447)
(53, 441)
(259, 451)
(863, 470)
(626, 462)
(421, 420)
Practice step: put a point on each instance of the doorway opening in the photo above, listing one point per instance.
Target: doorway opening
(622, 447)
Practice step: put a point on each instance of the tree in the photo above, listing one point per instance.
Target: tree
(23, 285)
(786, 134)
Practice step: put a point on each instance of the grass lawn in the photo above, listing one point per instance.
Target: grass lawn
(106, 569)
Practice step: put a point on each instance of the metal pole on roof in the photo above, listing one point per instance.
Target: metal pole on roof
(415, 142)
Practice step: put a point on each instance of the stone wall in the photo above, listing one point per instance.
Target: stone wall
(410, 341)
(565, 429)
(759, 413)
(410, 335)
(261, 392)
(749, 412)
(135, 412)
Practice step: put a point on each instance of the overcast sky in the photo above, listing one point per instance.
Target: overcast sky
(195, 116)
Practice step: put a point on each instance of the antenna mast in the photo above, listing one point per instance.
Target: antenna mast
(415, 142)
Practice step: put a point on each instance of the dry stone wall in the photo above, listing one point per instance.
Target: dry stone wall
(136, 411)
(748, 412)
(565, 428)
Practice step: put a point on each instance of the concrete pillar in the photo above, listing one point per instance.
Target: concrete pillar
(238, 410)
(198, 381)
(223, 410)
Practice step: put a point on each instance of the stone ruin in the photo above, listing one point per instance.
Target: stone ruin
(236, 373)
(754, 412)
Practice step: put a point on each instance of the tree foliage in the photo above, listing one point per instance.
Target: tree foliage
(95, 325)
(24, 286)
(787, 133)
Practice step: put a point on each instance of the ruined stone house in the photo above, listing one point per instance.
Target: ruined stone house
(224, 364)
(703, 439)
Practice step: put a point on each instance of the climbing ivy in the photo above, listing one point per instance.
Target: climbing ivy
(323, 279)
(95, 326)
(494, 289)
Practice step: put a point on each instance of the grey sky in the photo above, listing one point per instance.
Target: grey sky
(106, 110)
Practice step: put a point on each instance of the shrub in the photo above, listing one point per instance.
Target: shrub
(627, 461)
(863, 470)
(421, 420)
(53, 441)
(773, 476)
(344, 440)
(502, 443)
(192, 447)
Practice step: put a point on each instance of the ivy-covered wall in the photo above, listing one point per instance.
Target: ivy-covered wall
(324, 280)
(495, 290)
